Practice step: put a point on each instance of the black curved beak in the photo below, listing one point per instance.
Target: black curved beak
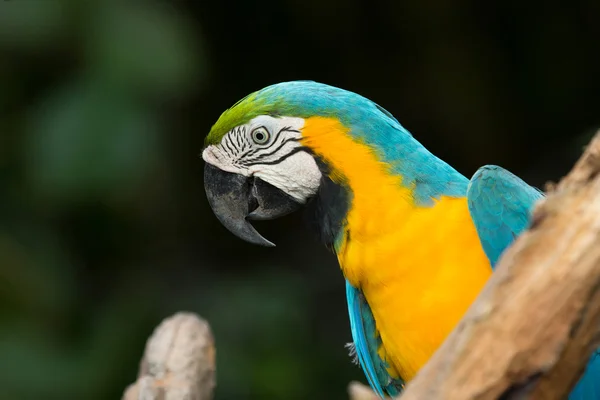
(235, 198)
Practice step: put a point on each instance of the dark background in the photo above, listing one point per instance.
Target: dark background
(104, 226)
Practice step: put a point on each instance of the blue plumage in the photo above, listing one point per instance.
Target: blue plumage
(366, 342)
(588, 387)
(500, 204)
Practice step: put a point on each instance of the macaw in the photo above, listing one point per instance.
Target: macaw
(416, 241)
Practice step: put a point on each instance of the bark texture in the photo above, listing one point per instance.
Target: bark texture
(178, 363)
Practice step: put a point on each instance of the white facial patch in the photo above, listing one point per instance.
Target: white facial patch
(270, 149)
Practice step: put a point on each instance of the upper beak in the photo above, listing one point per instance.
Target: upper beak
(234, 198)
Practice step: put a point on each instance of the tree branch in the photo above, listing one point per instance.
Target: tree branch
(178, 363)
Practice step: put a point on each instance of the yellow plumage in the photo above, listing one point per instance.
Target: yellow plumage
(419, 268)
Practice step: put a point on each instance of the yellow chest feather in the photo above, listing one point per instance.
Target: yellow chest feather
(419, 268)
(419, 278)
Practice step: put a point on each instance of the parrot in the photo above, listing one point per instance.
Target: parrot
(416, 241)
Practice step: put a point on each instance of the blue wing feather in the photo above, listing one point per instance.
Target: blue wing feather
(359, 337)
(500, 205)
(366, 343)
(588, 387)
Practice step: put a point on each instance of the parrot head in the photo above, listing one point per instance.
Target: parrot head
(289, 145)
(257, 167)
(259, 171)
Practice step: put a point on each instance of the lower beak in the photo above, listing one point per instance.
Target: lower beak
(235, 198)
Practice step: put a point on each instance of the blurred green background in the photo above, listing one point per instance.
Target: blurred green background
(104, 227)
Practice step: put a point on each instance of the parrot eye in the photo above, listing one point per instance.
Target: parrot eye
(260, 135)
